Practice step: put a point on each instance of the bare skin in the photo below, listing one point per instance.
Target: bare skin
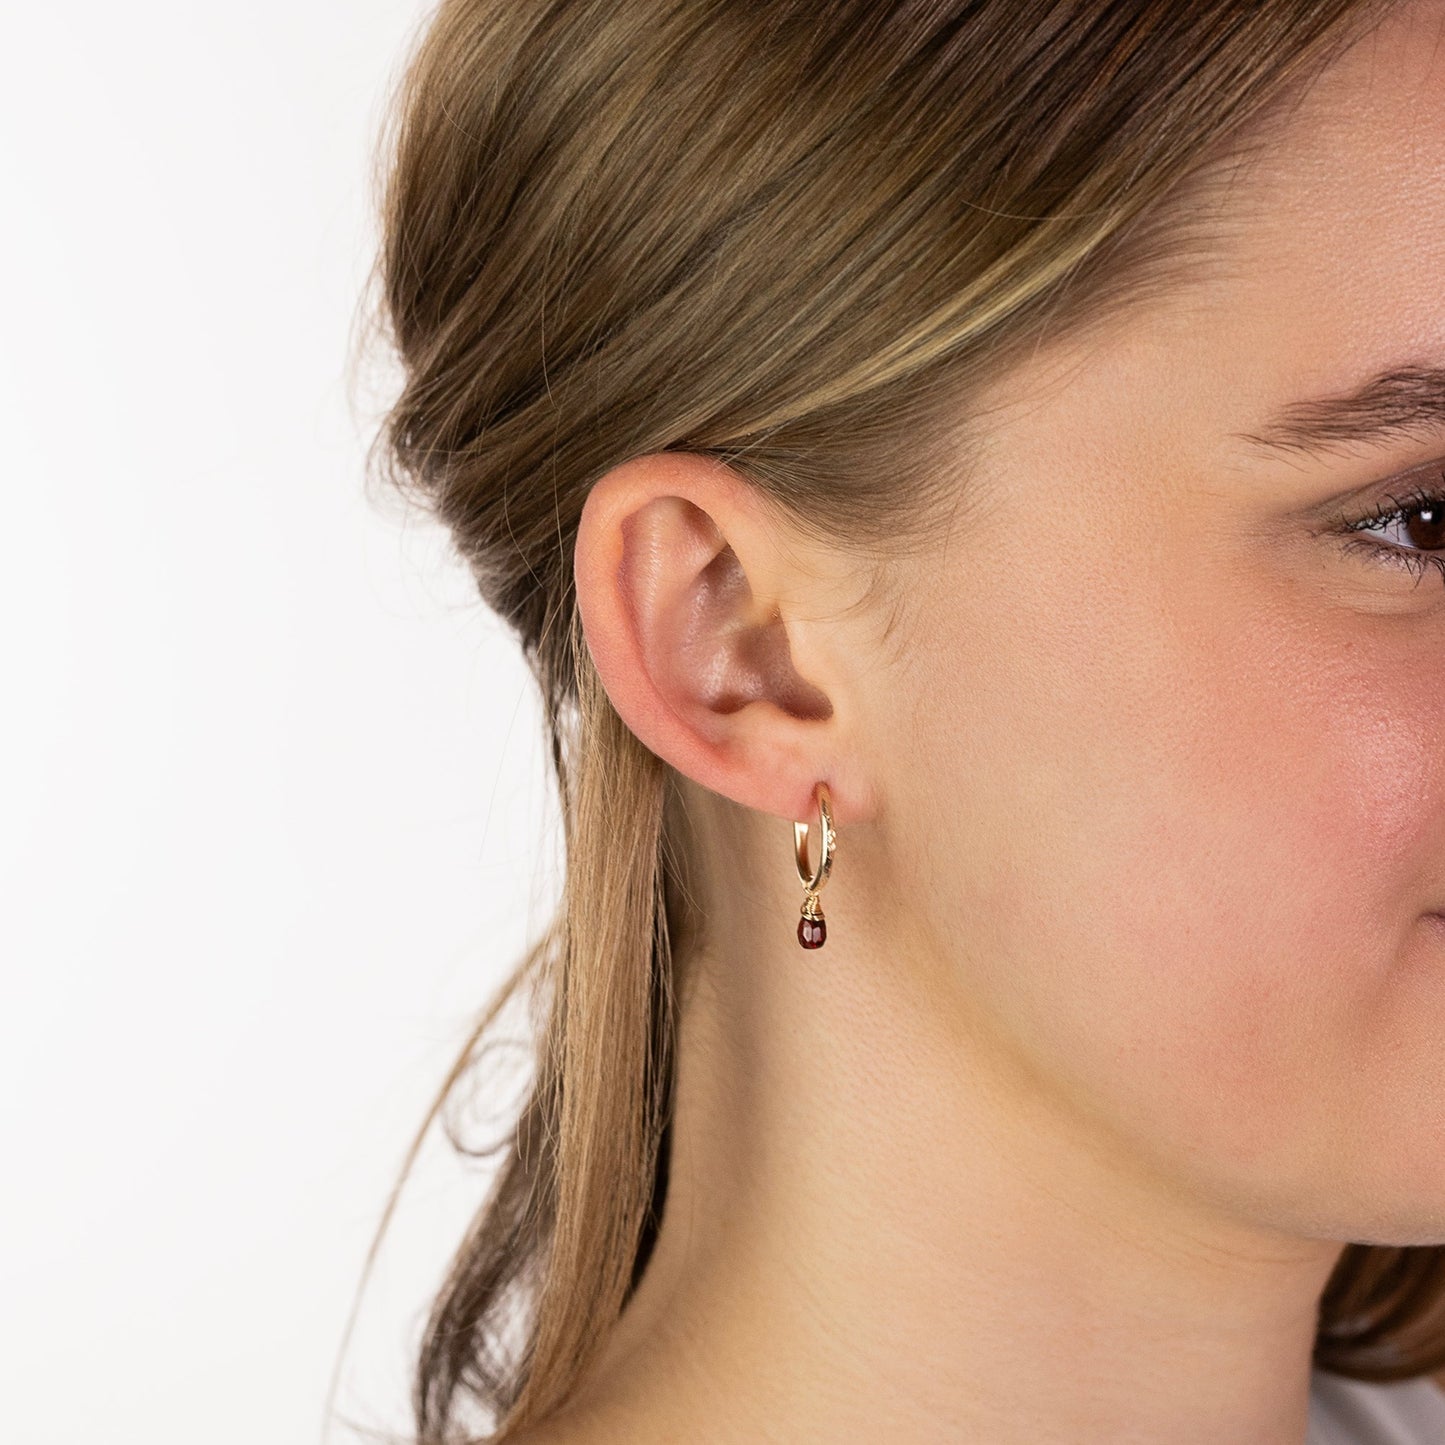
(1132, 1009)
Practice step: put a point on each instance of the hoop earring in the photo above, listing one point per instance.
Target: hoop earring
(812, 926)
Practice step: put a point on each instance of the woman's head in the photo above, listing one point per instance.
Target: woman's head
(960, 404)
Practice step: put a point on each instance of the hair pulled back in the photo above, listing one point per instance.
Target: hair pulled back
(797, 236)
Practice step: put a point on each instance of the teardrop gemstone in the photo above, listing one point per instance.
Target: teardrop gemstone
(812, 932)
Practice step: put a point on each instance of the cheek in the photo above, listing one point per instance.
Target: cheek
(1196, 844)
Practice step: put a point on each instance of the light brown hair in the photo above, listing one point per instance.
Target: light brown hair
(797, 236)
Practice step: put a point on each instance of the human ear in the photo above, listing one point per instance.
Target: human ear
(693, 600)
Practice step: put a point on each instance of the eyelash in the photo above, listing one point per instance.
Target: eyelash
(1417, 561)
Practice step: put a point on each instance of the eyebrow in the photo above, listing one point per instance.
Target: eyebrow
(1402, 402)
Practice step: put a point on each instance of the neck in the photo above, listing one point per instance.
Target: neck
(879, 1225)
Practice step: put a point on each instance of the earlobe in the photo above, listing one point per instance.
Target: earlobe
(695, 658)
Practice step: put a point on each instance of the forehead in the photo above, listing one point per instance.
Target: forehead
(1325, 262)
(1346, 205)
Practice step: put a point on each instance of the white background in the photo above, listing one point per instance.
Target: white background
(273, 810)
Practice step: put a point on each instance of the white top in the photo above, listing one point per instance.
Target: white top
(1357, 1412)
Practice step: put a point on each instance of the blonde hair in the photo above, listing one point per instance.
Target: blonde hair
(797, 236)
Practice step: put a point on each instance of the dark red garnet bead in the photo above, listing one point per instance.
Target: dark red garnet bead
(812, 932)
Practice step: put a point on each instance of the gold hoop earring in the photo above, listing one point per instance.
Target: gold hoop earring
(812, 926)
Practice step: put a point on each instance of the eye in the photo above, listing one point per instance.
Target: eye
(1415, 521)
